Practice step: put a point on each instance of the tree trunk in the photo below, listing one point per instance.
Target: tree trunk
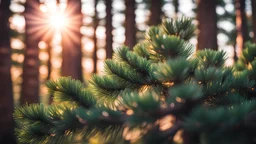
(6, 97)
(71, 41)
(130, 24)
(49, 64)
(156, 12)
(109, 29)
(48, 41)
(30, 76)
(241, 27)
(95, 25)
(207, 19)
(176, 7)
(254, 19)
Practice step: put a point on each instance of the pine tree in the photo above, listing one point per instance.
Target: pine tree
(155, 12)
(30, 75)
(241, 26)
(95, 26)
(152, 94)
(6, 95)
(109, 29)
(71, 41)
(176, 5)
(130, 23)
(207, 19)
(253, 3)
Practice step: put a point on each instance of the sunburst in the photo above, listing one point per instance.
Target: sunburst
(58, 20)
(46, 19)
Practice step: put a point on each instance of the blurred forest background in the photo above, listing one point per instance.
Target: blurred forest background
(46, 39)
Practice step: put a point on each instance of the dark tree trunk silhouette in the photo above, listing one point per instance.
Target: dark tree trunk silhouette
(109, 29)
(95, 25)
(130, 24)
(254, 19)
(71, 41)
(207, 19)
(176, 7)
(241, 26)
(6, 97)
(49, 64)
(48, 42)
(30, 76)
(156, 12)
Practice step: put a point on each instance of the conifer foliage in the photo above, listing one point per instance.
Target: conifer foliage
(154, 93)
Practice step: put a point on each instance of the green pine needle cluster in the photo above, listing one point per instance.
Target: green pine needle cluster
(159, 92)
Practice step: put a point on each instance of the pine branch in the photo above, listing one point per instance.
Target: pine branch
(173, 70)
(142, 49)
(72, 91)
(40, 124)
(140, 88)
(170, 47)
(182, 27)
(226, 118)
(124, 71)
(212, 58)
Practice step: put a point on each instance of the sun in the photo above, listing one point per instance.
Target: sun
(55, 16)
(58, 20)
(49, 18)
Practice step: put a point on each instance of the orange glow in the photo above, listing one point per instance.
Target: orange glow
(43, 70)
(16, 96)
(239, 38)
(57, 49)
(129, 112)
(87, 65)
(17, 43)
(57, 38)
(43, 56)
(100, 66)
(42, 45)
(56, 63)
(55, 74)
(132, 135)
(101, 43)
(18, 57)
(16, 72)
(166, 122)
(89, 46)
(101, 54)
(178, 137)
(44, 89)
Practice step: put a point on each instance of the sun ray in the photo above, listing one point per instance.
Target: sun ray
(54, 18)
